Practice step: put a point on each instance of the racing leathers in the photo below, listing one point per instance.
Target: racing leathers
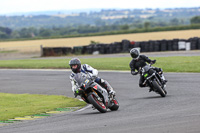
(135, 64)
(91, 72)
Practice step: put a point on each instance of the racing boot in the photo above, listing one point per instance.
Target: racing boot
(163, 79)
(162, 76)
(108, 87)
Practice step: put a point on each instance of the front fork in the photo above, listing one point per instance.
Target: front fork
(159, 80)
(154, 77)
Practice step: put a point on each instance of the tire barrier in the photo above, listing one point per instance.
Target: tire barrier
(58, 51)
(77, 50)
(125, 45)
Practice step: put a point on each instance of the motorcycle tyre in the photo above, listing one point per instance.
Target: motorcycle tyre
(115, 106)
(92, 99)
(159, 89)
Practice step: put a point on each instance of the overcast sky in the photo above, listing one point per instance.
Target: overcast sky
(14, 6)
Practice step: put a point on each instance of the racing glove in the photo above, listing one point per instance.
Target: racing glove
(78, 92)
(112, 92)
(153, 61)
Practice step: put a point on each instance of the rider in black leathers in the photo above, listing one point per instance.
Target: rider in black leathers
(139, 61)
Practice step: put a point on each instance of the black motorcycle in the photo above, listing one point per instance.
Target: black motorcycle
(153, 80)
(93, 93)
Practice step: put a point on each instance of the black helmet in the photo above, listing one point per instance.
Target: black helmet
(135, 53)
(75, 61)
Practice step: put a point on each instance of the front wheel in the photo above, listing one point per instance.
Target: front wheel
(115, 104)
(158, 89)
(99, 105)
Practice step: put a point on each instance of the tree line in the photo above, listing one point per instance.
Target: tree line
(90, 30)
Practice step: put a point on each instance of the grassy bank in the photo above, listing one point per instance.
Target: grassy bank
(19, 105)
(169, 64)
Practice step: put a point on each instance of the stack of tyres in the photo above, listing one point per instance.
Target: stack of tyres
(156, 46)
(107, 49)
(56, 51)
(89, 49)
(84, 50)
(151, 46)
(170, 45)
(137, 45)
(163, 45)
(66, 50)
(95, 48)
(112, 48)
(146, 47)
(77, 50)
(102, 48)
(47, 52)
(175, 44)
(125, 45)
(142, 46)
(194, 43)
(118, 46)
(198, 44)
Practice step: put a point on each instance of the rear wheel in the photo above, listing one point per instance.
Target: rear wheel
(99, 105)
(158, 89)
(115, 105)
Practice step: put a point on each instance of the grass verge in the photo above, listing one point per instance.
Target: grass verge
(8, 51)
(19, 105)
(169, 64)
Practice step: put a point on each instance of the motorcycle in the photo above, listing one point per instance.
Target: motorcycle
(153, 80)
(93, 93)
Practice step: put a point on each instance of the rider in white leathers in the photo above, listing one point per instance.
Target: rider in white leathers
(85, 69)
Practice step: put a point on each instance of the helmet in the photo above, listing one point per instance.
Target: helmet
(135, 53)
(75, 61)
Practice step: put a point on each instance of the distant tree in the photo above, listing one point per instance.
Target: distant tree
(15, 34)
(195, 20)
(100, 22)
(45, 32)
(146, 25)
(6, 30)
(174, 21)
(25, 33)
(124, 27)
(3, 35)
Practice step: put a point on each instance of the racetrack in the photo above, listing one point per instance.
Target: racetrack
(139, 112)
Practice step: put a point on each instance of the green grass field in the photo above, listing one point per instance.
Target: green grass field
(168, 64)
(19, 105)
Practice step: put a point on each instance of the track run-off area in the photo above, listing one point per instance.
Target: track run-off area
(139, 111)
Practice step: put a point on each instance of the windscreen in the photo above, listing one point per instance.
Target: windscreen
(80, 78)
(146, 68)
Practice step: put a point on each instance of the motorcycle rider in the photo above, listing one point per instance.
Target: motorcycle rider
(76, 67)
(139, 61)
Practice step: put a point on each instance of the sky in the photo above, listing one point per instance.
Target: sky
(16, 6)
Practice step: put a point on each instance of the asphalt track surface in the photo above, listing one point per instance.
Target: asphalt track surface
(139, 112)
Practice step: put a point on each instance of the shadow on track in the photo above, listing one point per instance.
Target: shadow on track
(152, 97)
